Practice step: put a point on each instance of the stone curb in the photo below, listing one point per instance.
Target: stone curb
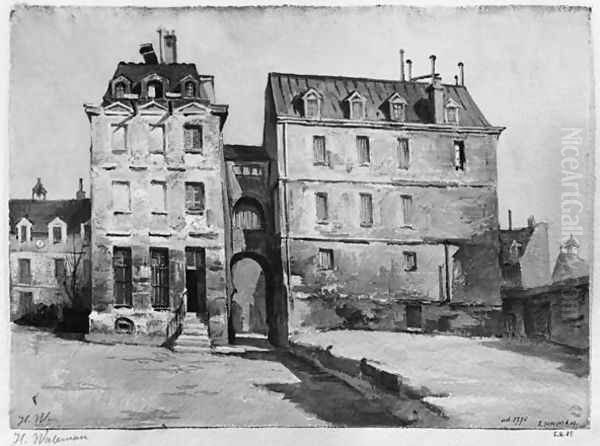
(396, 395)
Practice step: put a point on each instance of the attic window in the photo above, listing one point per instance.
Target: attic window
(452, 115)
(119, 90)
(154, 89)
(24, 231)
(190, 89)
(312, 104)
(356, 106)
(397, 111)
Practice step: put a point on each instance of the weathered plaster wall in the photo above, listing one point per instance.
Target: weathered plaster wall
(44, 286)
(141, 229)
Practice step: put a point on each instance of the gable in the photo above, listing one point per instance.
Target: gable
(193, 108)
(118, 108)
(152, 108)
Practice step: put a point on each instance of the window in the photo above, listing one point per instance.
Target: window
(325, 259)
(194, 196)
(59, 269)
(248, 170)
(364, 153)
(157, 139)
(319, 151)
(119, 90)
(403, 153)
(121, 196)
(118, 137)
(56, 234)
(23, 234)
(154, 89)
(86, 232)
(407, 210)
(357, 109)
(459, 155)
(311, 105)
(247, 215)
(158, 197)
(397, 111)
(192, 138)
(87, 268)
(25, 271)
(190, 89)
(321, 205)
(160, 277)
(122, 276)
(410, 261)
(366, 210)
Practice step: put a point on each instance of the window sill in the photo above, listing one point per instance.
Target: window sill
(412, 270)
(157, 152)
(194, 152)
(159, 213)
(320, 163)
(195, 211)
(322, 222)
(364, 164)
(123, 306)
(161, 308)
(403, 168)
(407, 227)
(119, 151)
(122, 212)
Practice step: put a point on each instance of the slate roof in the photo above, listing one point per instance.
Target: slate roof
(238, 152)
(42, 212)
(568, 266)
(174, 72)
(287, 90)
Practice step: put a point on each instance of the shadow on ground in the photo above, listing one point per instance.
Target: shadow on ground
(574, 362)
(317, 392)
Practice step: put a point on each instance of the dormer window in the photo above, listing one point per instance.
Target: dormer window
(57, 231)
(397, 109)
(24, 231)
(356, 106)
(155, 89)
(119, 90)
(154, 86)
(190, 89)
(452, 114)
(312, 104)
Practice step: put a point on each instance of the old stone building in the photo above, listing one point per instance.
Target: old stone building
(385, 203)
(157, 201)
(49, 254)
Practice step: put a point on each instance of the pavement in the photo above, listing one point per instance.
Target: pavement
(476, 382)
(57, 382)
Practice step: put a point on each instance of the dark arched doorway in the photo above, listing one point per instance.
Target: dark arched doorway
(251, 305)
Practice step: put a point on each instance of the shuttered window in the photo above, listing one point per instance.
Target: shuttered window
(194, 196)
(319, 150)
(364, 153)
(407, 205)
(24, 271)
(122, 276)
(321, 205)
(192, 138)
(160, 277)
(366, 210)
(403, 153)
(325, 259)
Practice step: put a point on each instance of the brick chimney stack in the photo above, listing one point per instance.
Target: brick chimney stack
(436, 95)
(80, 195)
(170, 46)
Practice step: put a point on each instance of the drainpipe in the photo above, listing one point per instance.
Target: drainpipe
(447, 264)
(289, 302)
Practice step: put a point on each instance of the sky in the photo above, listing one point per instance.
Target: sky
(529, 69)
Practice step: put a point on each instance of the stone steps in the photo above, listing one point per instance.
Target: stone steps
(194, 338)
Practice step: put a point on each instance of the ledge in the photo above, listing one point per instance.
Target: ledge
(118, 234)
(195, 212)
(177, 168)
(138, 167)
(108, 166)
(208, 235)
(159, 213)
(122, 212)
(159, 234)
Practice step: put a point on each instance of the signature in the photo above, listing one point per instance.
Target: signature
(44, 438)
(33, 419)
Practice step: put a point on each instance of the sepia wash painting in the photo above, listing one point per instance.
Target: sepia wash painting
(299, 217)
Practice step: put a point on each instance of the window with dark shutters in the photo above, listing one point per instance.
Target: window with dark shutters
(25, 271)
(122, 276)
(194, 196)
(403, 153)
(319, 150)
(366, 210)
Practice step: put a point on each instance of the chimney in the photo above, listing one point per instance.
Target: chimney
(402, 78)
(147, 51)
(461, 71)
(409, 63)
(170, 46)
(531, 221)
(436, 95)
(80, 195)
(509, 219)
(455, 79)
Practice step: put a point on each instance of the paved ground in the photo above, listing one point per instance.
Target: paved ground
(66, 383)
(489, 382)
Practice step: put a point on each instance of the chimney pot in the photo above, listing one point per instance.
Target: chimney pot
(509, 219)
(170, 47)
(409, 64)
(432, 58)
(80, 195)
(147, 51)
(461, 70)
(402, 78)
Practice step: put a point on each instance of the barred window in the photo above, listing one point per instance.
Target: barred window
(122, 275)
(247, 215)
(364, 153)
(325, 259)
(319, 150)
(192, 138)
(403, 153)
(160, 277)
(366, 210)
(194, 196)
(410, 261)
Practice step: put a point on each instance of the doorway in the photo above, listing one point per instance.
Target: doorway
(195, 279)
(249, 301)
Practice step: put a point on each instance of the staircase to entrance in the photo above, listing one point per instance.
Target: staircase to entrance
(194, 336)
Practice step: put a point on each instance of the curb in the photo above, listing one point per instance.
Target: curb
(392, 391)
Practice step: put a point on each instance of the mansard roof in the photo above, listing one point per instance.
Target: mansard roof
(42, 212)
(173, 72)
(287, 90)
